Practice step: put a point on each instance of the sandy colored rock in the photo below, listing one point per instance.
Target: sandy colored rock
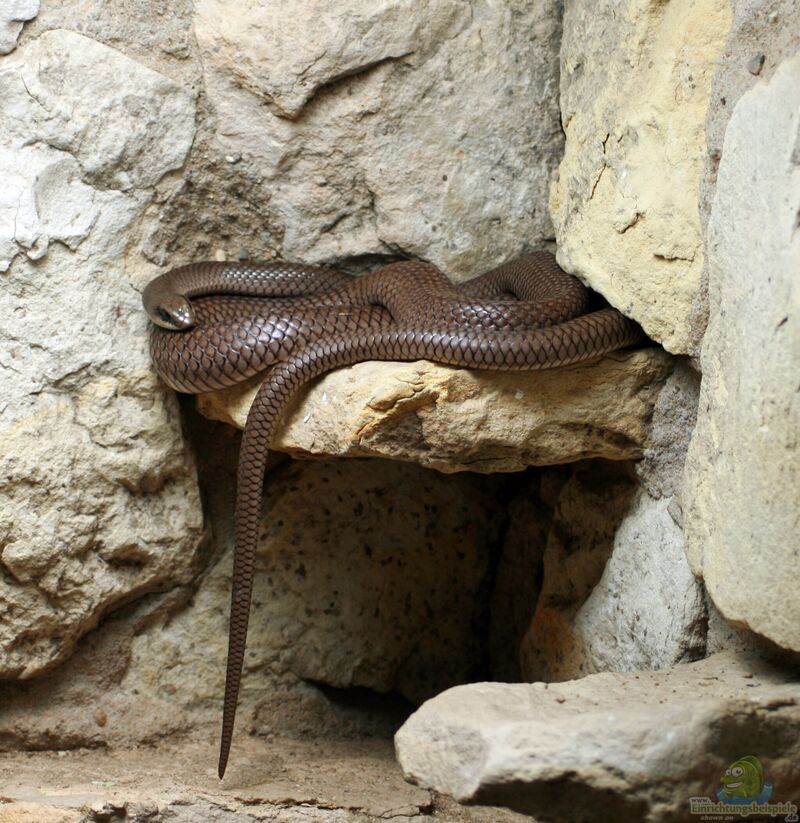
(98, 494)
(412, 131)
(619, 747)
(37, 813)
(617, 592)
(284, 781)
(635, 89)
(460, 420)
(742, 479)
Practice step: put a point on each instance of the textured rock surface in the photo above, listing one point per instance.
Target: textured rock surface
(617, 592)
(635, 86)
(370, 573)
(762, 35)
(428, 148)
(674, 416)
(458, 420)
(742, 474)
(81, 704)
(283, 781)
(598, 748)
(13, 15)
(358, 134)
(98, 498)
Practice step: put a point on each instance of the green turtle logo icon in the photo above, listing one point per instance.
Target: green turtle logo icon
(744, 781)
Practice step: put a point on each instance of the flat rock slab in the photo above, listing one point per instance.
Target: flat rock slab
(454, 419)
(610, 746)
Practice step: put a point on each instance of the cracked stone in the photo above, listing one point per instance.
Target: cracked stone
(126, 125)
(635, 91)
(288, 64)
(617, 592)
(98, 494)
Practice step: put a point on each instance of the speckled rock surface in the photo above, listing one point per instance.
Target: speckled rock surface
(370, 573)
(635, 91)
(742, 476)
(459, 420)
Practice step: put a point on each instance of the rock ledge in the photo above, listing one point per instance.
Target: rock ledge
(454, 419)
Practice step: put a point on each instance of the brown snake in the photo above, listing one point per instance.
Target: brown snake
(304, 321)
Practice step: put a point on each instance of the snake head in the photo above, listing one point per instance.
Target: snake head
(171, 312)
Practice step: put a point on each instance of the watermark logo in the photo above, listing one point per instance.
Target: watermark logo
(743, 782)
(743, 792)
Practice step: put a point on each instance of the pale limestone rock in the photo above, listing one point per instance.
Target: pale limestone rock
(45, 200)
(98, 495)
(617, 592)
(67, 124)
(369, 573)
(610, 746)
(126, 125)
(460, 420)
(13, 15)
(635, 88)
(441, 146)
(98, 505)
(286, 53)
(742, 479)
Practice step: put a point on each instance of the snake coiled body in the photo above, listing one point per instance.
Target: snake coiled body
(216, 324)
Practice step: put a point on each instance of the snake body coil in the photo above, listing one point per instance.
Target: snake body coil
(216, 324)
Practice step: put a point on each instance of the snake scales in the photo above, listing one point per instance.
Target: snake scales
(216, 324)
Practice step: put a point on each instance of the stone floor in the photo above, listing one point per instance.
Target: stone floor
(287, 781)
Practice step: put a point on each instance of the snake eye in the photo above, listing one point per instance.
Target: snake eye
(174, 315)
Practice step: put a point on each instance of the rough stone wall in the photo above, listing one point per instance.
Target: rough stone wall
(673, 226)
(99, 495)
(742, 477)
(424, 129)
(136, 141)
